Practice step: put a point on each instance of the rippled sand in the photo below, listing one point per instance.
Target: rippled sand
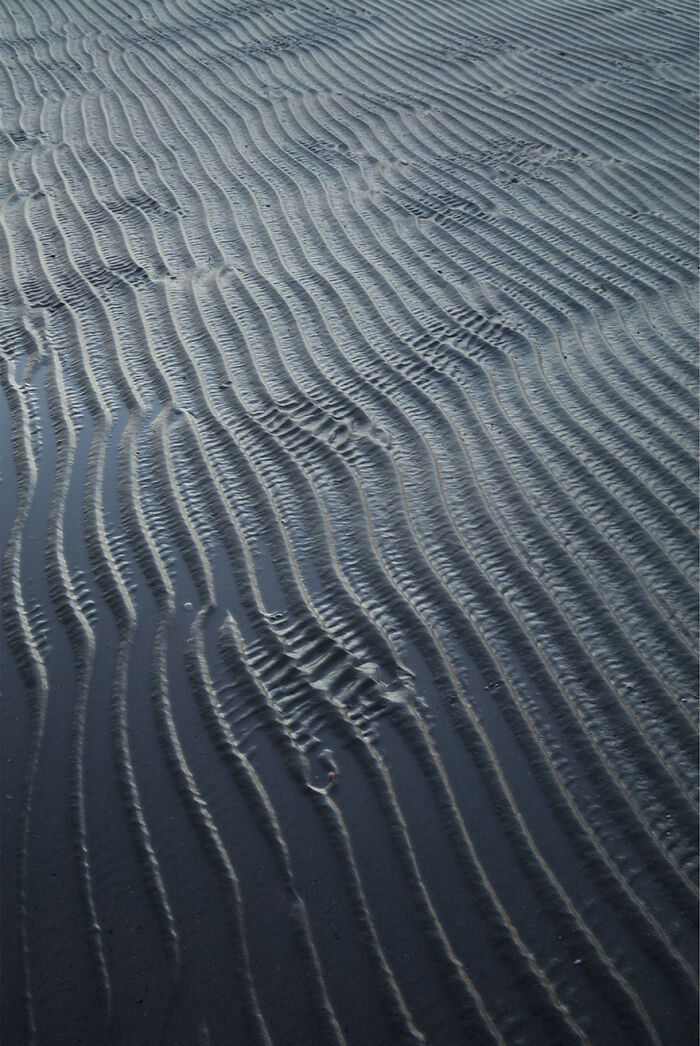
(349, 507)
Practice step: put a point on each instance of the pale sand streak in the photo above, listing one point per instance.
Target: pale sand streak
(350, 354)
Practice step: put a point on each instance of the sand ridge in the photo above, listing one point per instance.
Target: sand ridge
(350, 520)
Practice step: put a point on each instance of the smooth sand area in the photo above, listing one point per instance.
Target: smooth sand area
(349, 520)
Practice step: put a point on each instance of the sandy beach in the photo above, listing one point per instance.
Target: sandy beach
(349, 519)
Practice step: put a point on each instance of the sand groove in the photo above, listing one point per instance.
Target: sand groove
(350, 582)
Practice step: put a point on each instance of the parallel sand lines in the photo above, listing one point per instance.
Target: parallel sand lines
(350, 579)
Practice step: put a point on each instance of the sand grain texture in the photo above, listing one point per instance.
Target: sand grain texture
(349, 516)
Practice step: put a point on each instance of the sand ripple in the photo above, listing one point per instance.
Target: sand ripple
(350, 518)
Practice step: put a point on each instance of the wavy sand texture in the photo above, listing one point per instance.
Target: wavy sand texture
(349, 513)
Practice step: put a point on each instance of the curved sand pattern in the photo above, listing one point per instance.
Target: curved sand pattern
(350, 512)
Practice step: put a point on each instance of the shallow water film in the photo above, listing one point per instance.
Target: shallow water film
(349, 522)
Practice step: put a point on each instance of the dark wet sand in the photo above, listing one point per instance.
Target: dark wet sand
(349, 517)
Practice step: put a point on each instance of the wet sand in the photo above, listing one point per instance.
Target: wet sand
(349, 519)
